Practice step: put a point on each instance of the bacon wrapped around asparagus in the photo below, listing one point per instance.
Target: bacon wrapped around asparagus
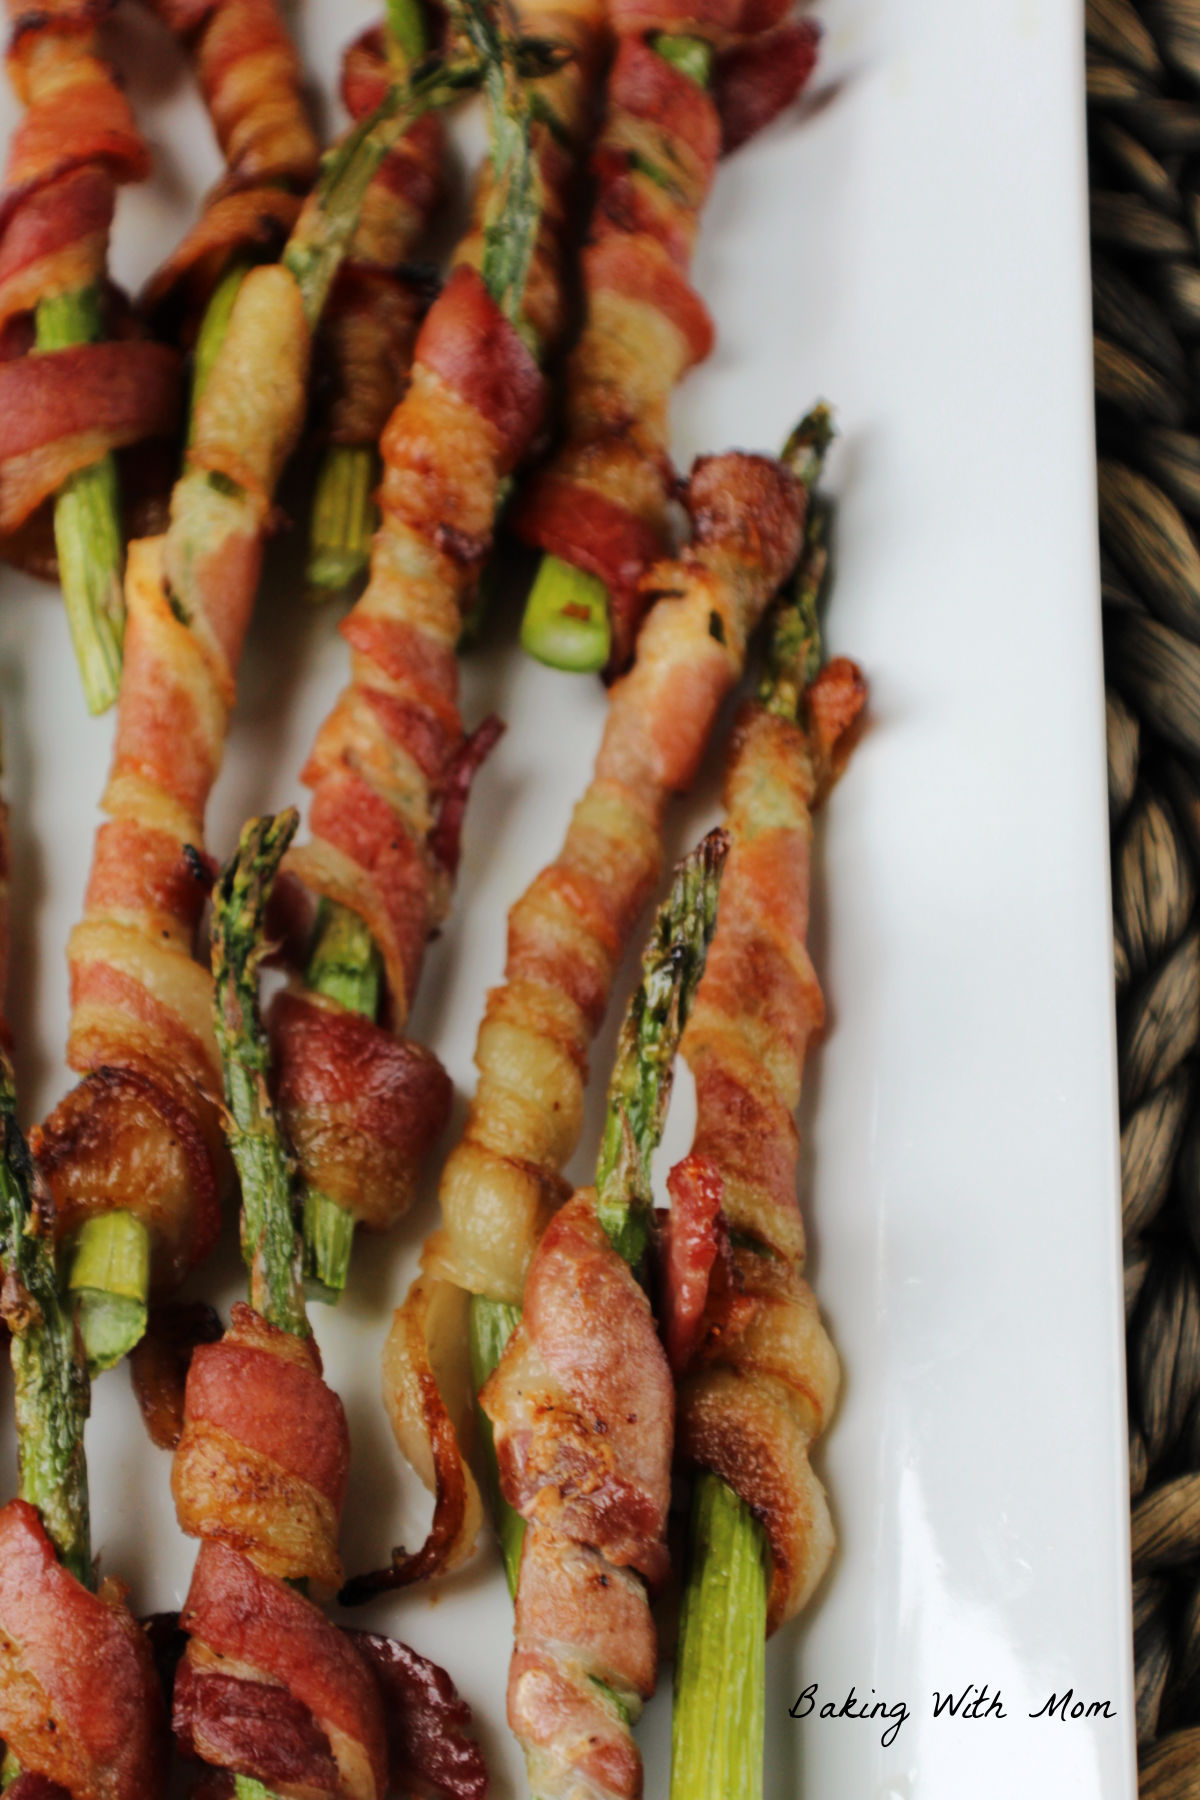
(601, 509)
(581, 1404)
(391, 764)
(567, 933)
(133, 1154)
(64, 412)
(81, 1713)
(757, 1373)
(371, 323)
(269, 1690)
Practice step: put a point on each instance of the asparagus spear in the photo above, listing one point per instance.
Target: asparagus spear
(638, 1092)
(270, 1244)
(110, 1267)
(343, 517)
(718, 1723)
(567, 623)
(87, 522)
(510, 235)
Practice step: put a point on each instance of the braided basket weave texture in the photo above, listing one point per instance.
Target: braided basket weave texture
(1144, 137)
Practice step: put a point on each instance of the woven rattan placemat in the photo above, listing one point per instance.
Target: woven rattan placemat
(1144, 135)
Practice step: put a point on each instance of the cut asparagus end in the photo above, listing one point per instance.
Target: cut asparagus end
(213, 327)
(566, 621)
(245, 1787)
(110, 1278)
(87, 523)
(328, 1241)
(343, 521)
(692, 56)
(720, 1661)
(492, 1324)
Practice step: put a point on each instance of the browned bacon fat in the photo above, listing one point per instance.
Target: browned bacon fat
(80, 1704)
(566, 937)
(759, 1375)
(581, 1406)
(63, 410)
(603, 503)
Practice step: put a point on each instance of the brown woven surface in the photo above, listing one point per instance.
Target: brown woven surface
(1144, 132)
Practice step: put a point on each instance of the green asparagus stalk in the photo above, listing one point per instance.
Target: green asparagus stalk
(343, 515)
(270, 1245)
(87, 522)
(211, 335)
(49, 1377)
(567, 622)
(638, 1093)
(110, 1266)
(718, 1723)
(510, 235)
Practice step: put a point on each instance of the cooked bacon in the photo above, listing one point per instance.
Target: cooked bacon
(253, 86)
(603, 502)
(262, 1460)
(63, 411)
(762, 1378)
(80, 1702)
(692, 1247)
(581, 1403)
(756, 79)
(242, 1623)
(581, 1406)
(370, 324)
(717, 20)
(430, 1747)
(445, 840)
(361, 1108)
(35, 1787)
(568, 932)
(141, 1006)
(160, 1363)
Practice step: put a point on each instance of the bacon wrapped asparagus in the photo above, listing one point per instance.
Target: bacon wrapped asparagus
(133, 1154)
(581, 1405)
(391, 765)
(268, 1689)
(81, 1711)
(371, 324)
(757, 1373)
(503, 1181)
(66, 410)
(601, 509)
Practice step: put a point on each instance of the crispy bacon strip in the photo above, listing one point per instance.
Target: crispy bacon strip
(581, 1406)
(141, 1028)
(603, 502)
(391, 765)
(80, 1704)
(568, 932)
(370, 324)
(253, 86)
(762, 1380)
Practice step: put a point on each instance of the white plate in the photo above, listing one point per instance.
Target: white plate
(915, 249)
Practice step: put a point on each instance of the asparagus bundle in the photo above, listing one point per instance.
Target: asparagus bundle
(581, 1403)
(600, 510)
(391, 766)
(66, 409)
(133, 1154)
(268, 1689)
(757, 1374)
(566, 937)
(80, 1704)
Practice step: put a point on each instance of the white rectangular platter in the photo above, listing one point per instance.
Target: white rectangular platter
(912, 246)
